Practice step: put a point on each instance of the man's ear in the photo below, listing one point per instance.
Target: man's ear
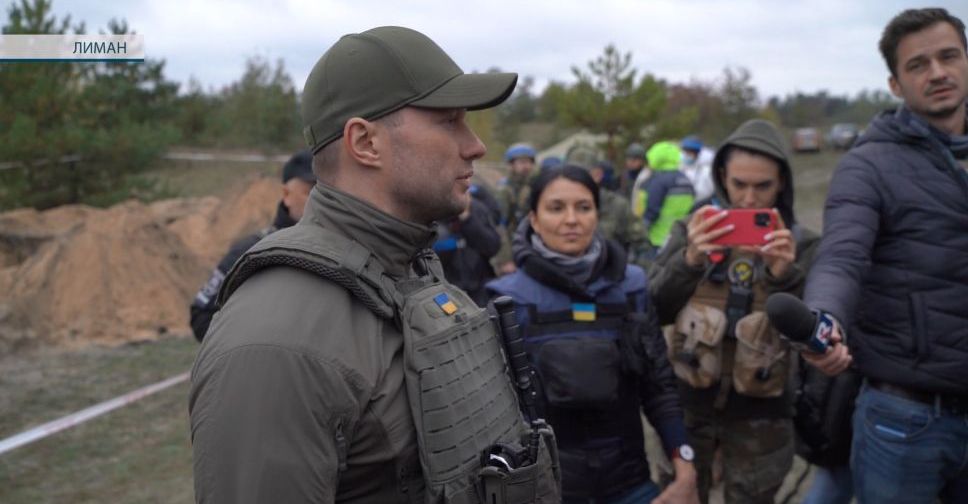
(895, 86)
(363, 141)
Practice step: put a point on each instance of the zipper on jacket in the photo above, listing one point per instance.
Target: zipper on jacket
(340, 445)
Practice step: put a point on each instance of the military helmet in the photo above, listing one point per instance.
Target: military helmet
(635, 150)
(582, 155)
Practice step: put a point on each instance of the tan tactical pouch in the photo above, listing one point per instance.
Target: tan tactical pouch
(695, 344)
(762, 360)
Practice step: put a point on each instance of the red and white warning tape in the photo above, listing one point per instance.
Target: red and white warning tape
(42, 431)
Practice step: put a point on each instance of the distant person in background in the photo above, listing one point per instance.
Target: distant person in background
(512, 195)
(513, 191)
(608, 179)
(550, 162)
(615, 219)
(662, 194)
(634, 163)
(465, 245)
(297, 181)
(697, 164)
(481, 193)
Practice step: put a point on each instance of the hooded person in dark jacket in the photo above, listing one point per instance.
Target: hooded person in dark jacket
(893, 271)
(590, 332)
(732, 366)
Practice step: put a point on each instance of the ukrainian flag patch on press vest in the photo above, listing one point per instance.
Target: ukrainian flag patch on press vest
(445, 304)
(583, 312)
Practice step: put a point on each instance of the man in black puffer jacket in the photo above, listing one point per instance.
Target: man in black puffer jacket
(892, 270)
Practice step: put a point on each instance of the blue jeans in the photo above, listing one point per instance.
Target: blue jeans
(639, 495)
(907, 451)
(831, 485)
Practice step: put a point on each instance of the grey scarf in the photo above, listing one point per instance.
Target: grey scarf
(955, 145)
(579, 268)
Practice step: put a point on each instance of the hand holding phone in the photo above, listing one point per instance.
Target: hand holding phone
(750, 226)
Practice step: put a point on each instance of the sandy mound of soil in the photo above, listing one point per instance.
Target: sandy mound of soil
(76, 275)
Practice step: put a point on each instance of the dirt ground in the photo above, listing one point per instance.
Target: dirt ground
(76, 275)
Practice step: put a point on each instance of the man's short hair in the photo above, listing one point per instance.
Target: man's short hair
(299, 166)
(910, 21)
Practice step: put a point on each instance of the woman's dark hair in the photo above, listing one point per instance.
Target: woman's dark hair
(571, 172)
(730, 149)
(910, 21)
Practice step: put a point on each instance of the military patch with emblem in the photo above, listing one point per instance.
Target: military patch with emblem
(741, 272)
(445, 304)
(583, 312)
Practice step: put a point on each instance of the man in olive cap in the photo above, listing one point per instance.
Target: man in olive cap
(342, 366)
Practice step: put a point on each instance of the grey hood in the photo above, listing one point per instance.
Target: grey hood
(760, 136)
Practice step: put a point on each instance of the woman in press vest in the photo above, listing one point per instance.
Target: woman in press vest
(590, 333)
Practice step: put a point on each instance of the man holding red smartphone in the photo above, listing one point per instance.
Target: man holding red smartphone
(710, 284)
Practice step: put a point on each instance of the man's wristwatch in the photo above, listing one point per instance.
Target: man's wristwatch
(684, 452)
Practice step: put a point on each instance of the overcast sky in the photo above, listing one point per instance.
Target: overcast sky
(788, 46)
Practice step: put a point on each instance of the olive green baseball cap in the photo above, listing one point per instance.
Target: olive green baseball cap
(379, 71)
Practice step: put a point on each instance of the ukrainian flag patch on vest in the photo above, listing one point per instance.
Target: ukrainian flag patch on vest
(445, 304)
(583, 312)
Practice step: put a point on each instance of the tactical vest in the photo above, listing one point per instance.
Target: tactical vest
(724, 336)
(590, 360)
(460, 398)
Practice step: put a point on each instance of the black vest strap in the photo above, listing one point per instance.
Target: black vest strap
(607, 316)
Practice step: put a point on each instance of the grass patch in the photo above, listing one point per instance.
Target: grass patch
(811, 180)
(138, 453)
(202, 178)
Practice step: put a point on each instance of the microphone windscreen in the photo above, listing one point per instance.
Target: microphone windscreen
(790, 316)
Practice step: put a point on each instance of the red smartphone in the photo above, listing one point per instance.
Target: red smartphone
(750, 225)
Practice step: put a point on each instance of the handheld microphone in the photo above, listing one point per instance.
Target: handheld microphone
(804, 328)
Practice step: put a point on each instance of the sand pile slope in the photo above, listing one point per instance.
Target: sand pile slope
(77, 275)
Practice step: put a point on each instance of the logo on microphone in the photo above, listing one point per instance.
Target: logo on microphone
(825, 331)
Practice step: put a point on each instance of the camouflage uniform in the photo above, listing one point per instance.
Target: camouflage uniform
(616, 222)
(512, 196)
(759, 451)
